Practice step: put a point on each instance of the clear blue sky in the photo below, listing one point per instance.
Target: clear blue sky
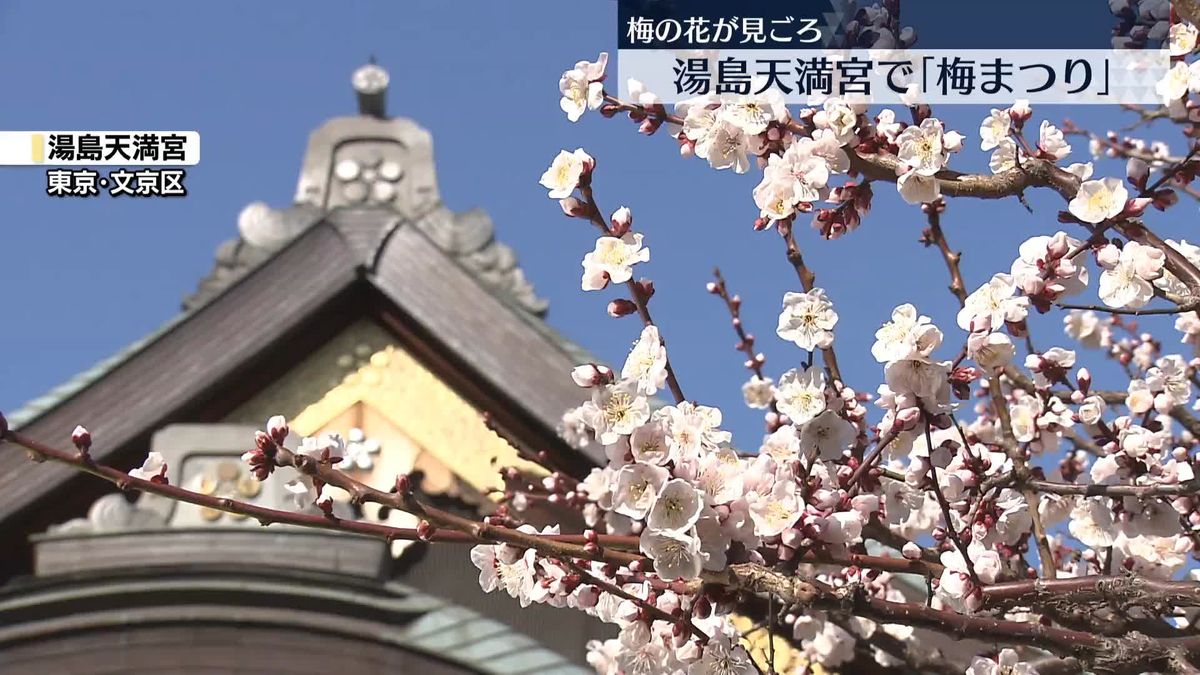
(80, 278)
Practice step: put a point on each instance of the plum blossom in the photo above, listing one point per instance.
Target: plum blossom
(993, 304)
(693, 429)
(676, 555)
(615, 410)
(613, 260)
(722, 656)
(1086, 327)
(1126, 280)
(1006, 663)
(840, 118)
(1176, 83)
(990, 350)
(1181, 38)
(1050, 366)
(1168, 281)
(826, 436)
(758, 392)
(753, 113)
(1099, 200)
(775, 511)
(647, 362)
(801, 394)
(1169, 378)
(782, 444)
(799, 175)
(994, 129)
(566, 172)
(926, 148)
(807, 319)
(677, 506)
(582, 87)
(915, 188)
(636, 489)
(907, 335)
(154, 469)
(1051, 141)
(1044, 271)
(1006, 156)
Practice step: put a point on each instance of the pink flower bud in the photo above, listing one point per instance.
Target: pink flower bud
(572, 207)
(908, 418)
(277, 427)
(587, 375)
(426, 530)
(911, 551)
(622, 220)
(82, 439)
(1020, 111)
(1137, 206)
(621, 307)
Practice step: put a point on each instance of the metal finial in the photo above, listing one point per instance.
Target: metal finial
(370, 83)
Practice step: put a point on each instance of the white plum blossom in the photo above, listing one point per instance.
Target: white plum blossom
(1008, 662)
(613, 260)
(775, 511)
(1169, 377)
(990, 350)
(1126, 280)
(1168, 281)
(993, 304)
(918, 189)
(1181, 38)
(582, 87)
(153, 469)
(782, 444)
(720, 479)
(722, 656)
(1175, 83)
(994, 129)
(676, 555)
(650, 442)
(799, 175)
(753, 112)
(840, 118)
(807, 319)
(826, 436)
(615, 410)
(1099, 200)
(693, 429)
(647, 362)
(677, 506)
(565, 172)
(907, 335)
(801, 394)
(636, 489)
(926, 148)
(1051, 141)
(1006, 156)
(1042, 267)
(758, 392)
(1086, 327)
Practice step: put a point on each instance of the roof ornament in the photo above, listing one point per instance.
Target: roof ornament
(371, 162)
(370, 83)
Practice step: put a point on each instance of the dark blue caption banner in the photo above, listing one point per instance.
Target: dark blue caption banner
(822, 24)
